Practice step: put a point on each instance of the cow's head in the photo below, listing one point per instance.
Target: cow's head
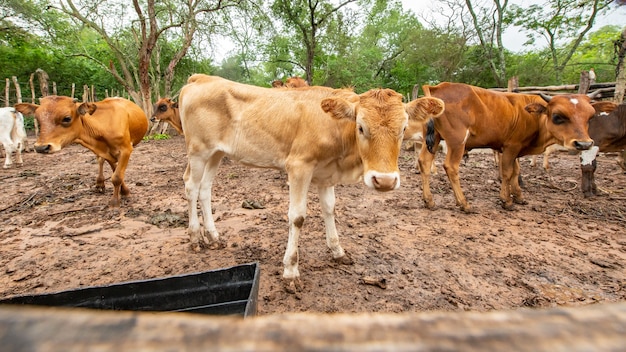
(60, 121)
(163, 110)
(381, 119)
(567, 118)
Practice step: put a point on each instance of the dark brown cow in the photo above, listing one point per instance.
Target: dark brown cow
(109, 128)
(318, 135)
(167, 110)
(608, 131)
(514, 124)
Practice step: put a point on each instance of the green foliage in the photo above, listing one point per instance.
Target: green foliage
(157, 137)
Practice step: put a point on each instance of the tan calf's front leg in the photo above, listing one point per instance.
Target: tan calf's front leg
(509, 169)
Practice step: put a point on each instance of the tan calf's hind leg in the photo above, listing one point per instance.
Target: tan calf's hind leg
(516, 190)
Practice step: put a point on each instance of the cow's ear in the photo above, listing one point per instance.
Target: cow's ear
(26, 108)
(604, 106)
(536, 108)
(424, 108)
(338, 108)
(175, 105)
(87, 108)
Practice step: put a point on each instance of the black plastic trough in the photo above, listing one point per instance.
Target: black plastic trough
(227, 291)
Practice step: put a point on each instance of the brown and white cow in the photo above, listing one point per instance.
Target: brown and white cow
(12, 135)
(165, 109)
(514, 124)
(318, 135)
(109, 128)
(608, 131)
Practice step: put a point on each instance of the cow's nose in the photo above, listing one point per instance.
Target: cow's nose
(384, 183)
(582, 145)
(153, 119)
(43, 148)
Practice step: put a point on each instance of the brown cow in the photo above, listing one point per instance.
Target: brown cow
(514, 124)
(167, 110)
(608, 131)
(109, 128)
(296, 82)
(318, 135)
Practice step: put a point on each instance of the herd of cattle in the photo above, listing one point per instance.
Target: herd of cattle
(324, 136)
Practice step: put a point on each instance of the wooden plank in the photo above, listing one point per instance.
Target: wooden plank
(595, 327)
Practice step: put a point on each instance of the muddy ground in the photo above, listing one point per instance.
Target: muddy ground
(561, 249)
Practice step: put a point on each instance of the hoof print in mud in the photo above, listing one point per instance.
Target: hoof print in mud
(374, 281)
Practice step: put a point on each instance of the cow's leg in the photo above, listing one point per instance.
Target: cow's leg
(100, 177)
(198, 179)
(18, 153)
(299, 181)
(117, 178)
(8, 150)
(425, 161)
(621, 160)
(516, 180)
(588, 168)
(451, 165)
(507, 172)
(327, 204)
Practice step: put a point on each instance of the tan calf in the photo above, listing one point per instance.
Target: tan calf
(167, 110)
(317, 135)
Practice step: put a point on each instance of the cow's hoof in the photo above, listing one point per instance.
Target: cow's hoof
(99, 189)
(345, 260)
(430, 205)
(219, 244)
(292, 286)
(520, 201)
(508, 206)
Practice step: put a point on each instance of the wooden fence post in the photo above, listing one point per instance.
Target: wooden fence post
(18, 91)
(583, 86)
(31, 82)
(85, 93)
(43, 81)
(620, 70)
(513, 84)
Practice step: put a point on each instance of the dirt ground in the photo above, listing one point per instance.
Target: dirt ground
(56, 233)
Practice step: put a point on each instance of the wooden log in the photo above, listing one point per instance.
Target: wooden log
(600, 327)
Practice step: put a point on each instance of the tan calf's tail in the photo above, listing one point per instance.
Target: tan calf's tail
(426, 89)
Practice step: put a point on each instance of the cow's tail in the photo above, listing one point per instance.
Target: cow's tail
(430, 136)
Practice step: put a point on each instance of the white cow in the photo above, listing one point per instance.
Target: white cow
(12, 135)
(318, 135)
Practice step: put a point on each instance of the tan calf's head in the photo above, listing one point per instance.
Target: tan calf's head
(381, 119)
(567, 118)
(59, 121)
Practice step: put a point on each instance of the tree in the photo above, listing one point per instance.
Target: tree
(307, 19)
(148, 24)
(558, 22)
(489, 25)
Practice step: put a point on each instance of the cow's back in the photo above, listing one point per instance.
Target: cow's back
(490, 117)
(258, 125)
(124, 113)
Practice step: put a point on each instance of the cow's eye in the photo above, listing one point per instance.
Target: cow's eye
(361, 130)
(163, 108)
(66, 120)
(558, 119)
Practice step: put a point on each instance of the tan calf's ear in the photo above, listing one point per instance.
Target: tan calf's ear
(424, 108)
(87, 108)
(536, 108)
(338, 108)
(26, 109)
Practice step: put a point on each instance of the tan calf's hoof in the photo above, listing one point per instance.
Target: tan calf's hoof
(345, 260)
(293, 286)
